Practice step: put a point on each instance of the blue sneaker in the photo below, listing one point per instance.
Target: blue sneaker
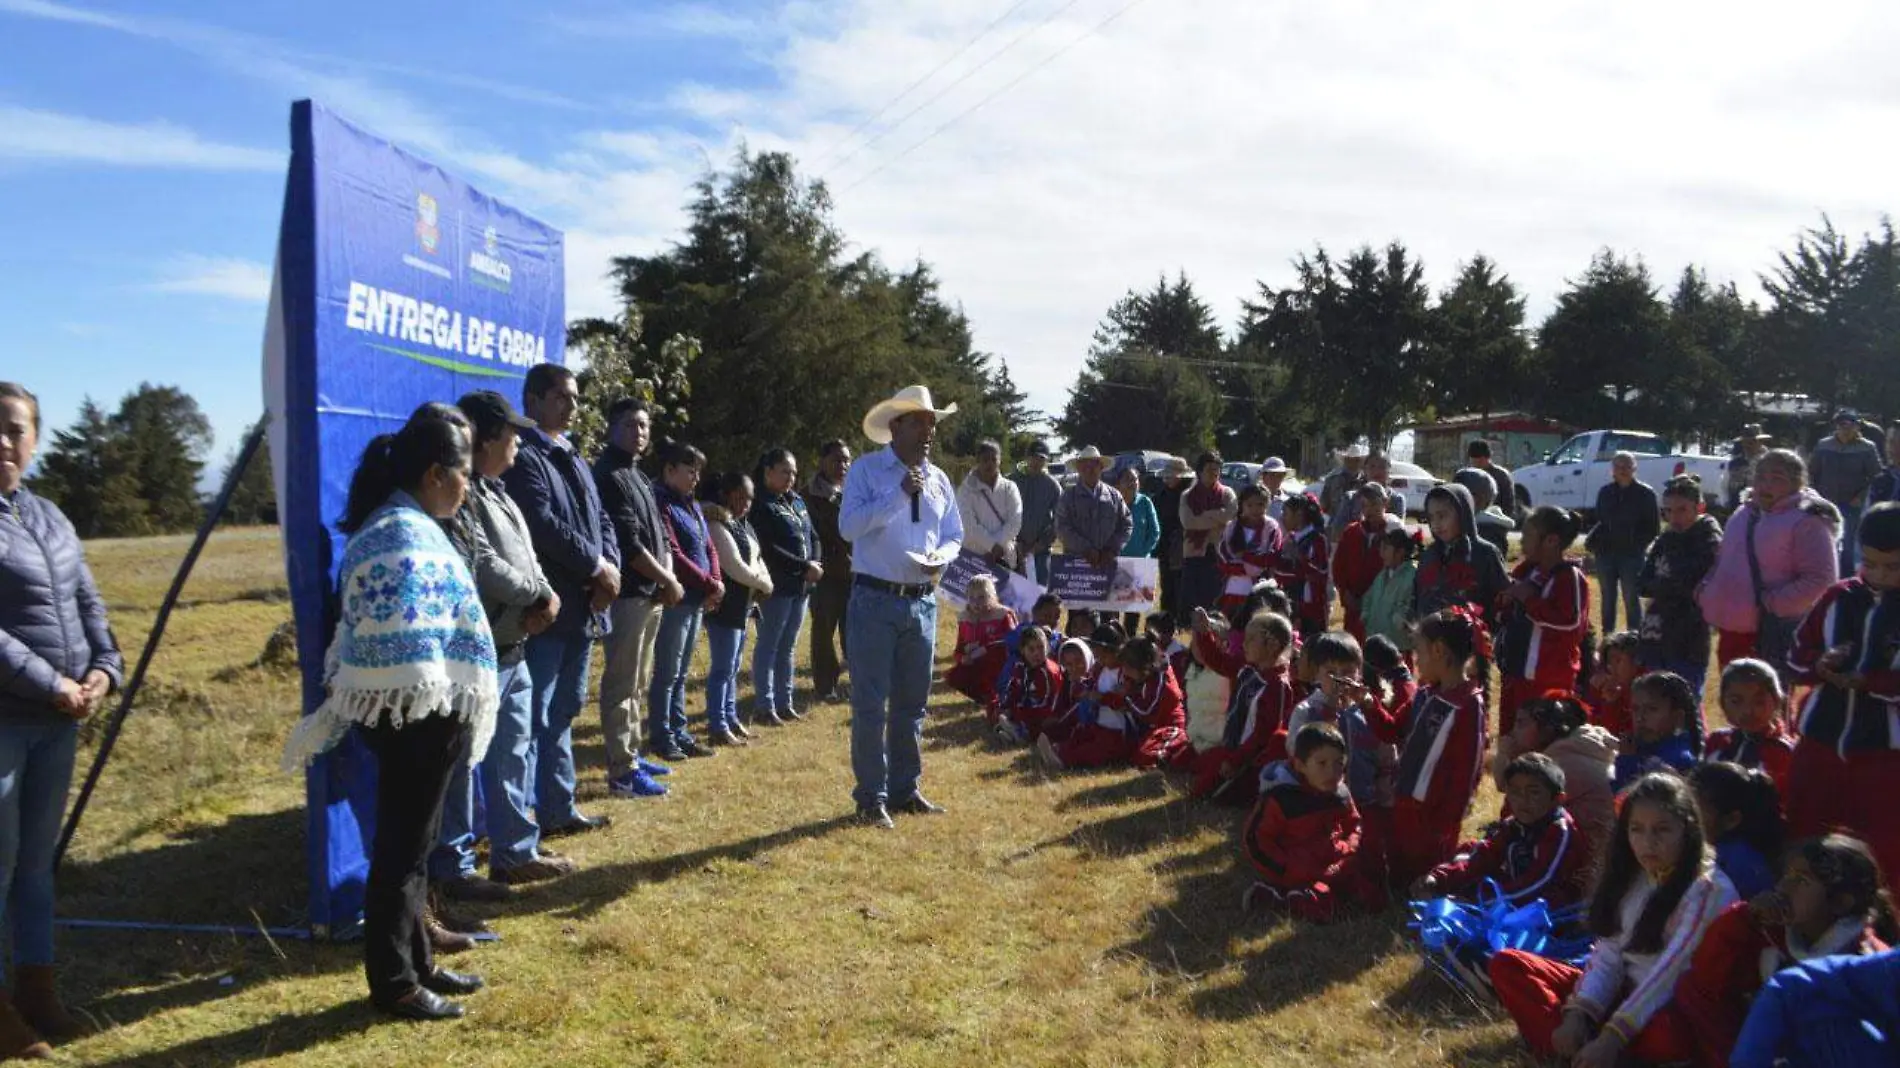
(635, 783)
(649, 767)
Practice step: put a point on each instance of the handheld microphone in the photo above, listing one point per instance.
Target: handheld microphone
(917, 499)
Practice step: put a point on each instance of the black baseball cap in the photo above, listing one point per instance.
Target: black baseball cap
(1040, 449)
(490, 412)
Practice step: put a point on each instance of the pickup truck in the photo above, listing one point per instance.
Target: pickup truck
(1570, 476)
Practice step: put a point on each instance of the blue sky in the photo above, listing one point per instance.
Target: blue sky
(1045, 155)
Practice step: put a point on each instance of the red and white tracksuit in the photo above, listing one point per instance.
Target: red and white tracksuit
(1299, 838)
(1770, 751)
(1549, 861)
(1255, 735)
(1541, 645)
(1304, 570)
(1033, 697)
(1246, 552)
(1441, 740)
(1161, 719)
(1848, 759)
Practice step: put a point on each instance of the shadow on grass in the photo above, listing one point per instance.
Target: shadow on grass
(277, 1037)
(246, 872)
(585, 893)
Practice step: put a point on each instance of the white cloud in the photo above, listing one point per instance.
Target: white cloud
(52, 137)
(216, 276)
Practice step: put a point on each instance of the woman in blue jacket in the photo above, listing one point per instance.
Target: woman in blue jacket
(58, 661)
(790, 544)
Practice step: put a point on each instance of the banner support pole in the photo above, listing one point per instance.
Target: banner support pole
(252, 442)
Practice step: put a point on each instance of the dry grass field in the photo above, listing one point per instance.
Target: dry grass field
(1087, 919)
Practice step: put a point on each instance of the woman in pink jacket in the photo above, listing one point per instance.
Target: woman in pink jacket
(1790, 530)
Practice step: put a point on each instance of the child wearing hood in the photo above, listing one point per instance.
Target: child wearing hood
(982, 644)
(1493, 525)
(1673, 635)
(1458, 568)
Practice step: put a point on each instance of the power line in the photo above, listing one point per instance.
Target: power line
(966, 76)
(967, 112)
(918, 84)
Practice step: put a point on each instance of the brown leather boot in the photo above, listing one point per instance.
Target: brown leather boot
(17, 1040)
(37, 997)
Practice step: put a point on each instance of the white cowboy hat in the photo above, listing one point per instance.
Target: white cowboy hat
(877, 422)
(1355, 451)
(1088, 453)
(1273, 466)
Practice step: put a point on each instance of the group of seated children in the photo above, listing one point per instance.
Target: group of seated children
(1360, 778)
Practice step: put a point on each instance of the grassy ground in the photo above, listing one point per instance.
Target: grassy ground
(1091, 919)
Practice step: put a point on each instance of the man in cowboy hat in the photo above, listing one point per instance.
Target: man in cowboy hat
(899, 512)
(1092, 519)
(1273, 472)
(1040, 492)
(1750, 445)
(1336, 493)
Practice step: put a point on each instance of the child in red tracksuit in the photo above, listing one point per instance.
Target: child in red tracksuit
(1831, 901)
(1755, 738)
(1032, 696)
(1304, 834)
(1304, 565)
(1153, 699)
(1537, 853)
(1441, 740)
(1257, 711)
(1848, 649)
(1612, 684)
(1106, 727)
(1545, 612)
(1247, 549)
(1078, 675)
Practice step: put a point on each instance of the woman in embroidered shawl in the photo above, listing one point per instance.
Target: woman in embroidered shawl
(412, 667)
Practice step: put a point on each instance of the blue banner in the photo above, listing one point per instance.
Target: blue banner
(396, 284)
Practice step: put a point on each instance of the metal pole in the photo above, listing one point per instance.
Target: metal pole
(132, 685)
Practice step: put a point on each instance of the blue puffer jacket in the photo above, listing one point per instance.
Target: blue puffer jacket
(52, 619)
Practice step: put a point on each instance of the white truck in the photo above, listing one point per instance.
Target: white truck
(1570, 476)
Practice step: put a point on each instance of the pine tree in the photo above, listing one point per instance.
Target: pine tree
(1605, 345)
(1481, 349)
(86, 471)
(1144, 385)
(254, 501)
(166, 436)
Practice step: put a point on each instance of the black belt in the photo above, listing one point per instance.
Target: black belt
(896, 589)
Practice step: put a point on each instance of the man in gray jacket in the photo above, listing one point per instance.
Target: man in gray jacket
(520, 603)
(1843, 466)
(1092, 519)
(1040, 492)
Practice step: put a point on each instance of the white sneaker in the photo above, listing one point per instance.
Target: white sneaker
(1047, 750)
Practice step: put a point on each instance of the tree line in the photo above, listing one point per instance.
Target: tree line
(764, 325)
(1357, 346)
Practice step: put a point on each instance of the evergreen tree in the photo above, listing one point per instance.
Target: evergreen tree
(1714, 339)
(166, 437)
(1143, 385)
(796, 337)
(1481, 349)
(1810, 322)
(86, 471)
(1600, 350)
(254, 501)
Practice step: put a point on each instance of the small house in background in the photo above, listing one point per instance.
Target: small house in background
(1516, 439)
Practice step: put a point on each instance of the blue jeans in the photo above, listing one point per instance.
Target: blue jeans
(36, 769)
(505, 774)
(722, 679)
(672, 657)
(1850, 539)
(558, 664)
(780, 620)
(893, 644)
(1614, 569)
